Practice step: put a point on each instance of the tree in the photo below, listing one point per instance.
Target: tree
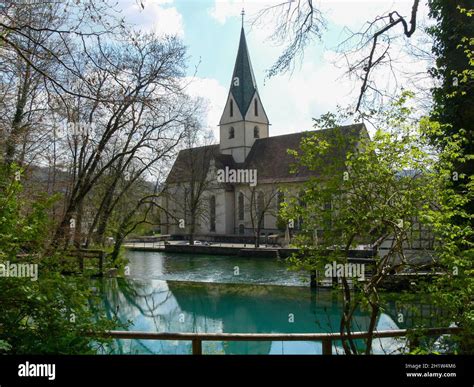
(41, 47)
(142, 116)
(192, 192)
(52, 314)
(301, 22)
(453, 137)
(261, 202)
(454, 95)
(379, 191)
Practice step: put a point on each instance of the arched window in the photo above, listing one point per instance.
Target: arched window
(231, 108)
(256, 132)
(260, 208)
(255, 106)
(241, 229)
(240, 203)
(231, 132)
(212, 213)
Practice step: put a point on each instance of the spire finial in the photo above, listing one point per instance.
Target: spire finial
(243, 14)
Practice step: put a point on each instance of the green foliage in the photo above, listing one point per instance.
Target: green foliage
(50, 314)
(388, 186)
(453, 98)
(452, 223)
(363, 190)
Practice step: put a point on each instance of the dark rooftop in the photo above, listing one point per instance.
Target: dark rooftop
(268, 155)
(244, 91)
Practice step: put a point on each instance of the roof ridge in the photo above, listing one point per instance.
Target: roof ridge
(310, 131)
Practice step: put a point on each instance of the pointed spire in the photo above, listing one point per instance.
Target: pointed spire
(243, 85)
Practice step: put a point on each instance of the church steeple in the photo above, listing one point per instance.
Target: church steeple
(244, 119)
(243, 85)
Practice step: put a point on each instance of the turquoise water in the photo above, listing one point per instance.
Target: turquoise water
(182, 293)
(213, 268)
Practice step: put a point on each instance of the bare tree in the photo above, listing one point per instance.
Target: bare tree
(72, 24)
(140, 81)
(300, 22)
(297, 22)
(261, 201)
(375, 36)
(193, 194)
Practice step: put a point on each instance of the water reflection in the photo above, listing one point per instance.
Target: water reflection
(184, 293)
(171, 306)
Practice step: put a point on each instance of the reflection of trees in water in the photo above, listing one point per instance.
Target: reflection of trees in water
(415, 312)
(126, 295)
(260, 309)
(127, 299)
(231, 308)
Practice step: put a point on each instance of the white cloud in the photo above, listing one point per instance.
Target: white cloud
(354, 13)
(292, 102)
(318, 85)
(349, 13)
(224, 9)
(157, 16)
(214, 95)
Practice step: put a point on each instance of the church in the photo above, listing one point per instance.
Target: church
(234, 188)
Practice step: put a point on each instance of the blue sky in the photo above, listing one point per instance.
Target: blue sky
(211, 28)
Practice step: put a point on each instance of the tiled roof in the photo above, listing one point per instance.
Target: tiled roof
(268, 155)
(195, 162)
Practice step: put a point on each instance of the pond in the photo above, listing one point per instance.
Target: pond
(185, 293)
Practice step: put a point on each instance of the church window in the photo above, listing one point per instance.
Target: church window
(241, 229)
(255, 106)
(256, 132)
(212, 213)
(231, 132)
(260, 208)
(231, 108)
(240, 202)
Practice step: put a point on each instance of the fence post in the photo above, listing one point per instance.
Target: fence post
(197, 346)
(327, 346)
(313, 280)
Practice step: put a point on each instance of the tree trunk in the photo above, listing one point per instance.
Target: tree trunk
(17, 128)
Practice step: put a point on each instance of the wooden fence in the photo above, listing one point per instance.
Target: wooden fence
(327, 339)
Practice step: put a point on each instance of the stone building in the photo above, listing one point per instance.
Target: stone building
(233, 187)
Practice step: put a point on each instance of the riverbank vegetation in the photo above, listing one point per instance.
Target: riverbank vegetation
(412, 179)
(94, 112)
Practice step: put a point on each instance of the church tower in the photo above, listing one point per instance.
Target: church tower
(244, 119)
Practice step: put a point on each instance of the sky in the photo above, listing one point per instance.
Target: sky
(211, 28)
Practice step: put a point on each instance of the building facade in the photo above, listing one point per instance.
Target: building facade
(236, 187)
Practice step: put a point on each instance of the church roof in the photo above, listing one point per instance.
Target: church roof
(194, 163)
(273, 163)
(268, 155)
(244, 90)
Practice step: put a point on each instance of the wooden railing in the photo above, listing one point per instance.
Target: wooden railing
(327, 339)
